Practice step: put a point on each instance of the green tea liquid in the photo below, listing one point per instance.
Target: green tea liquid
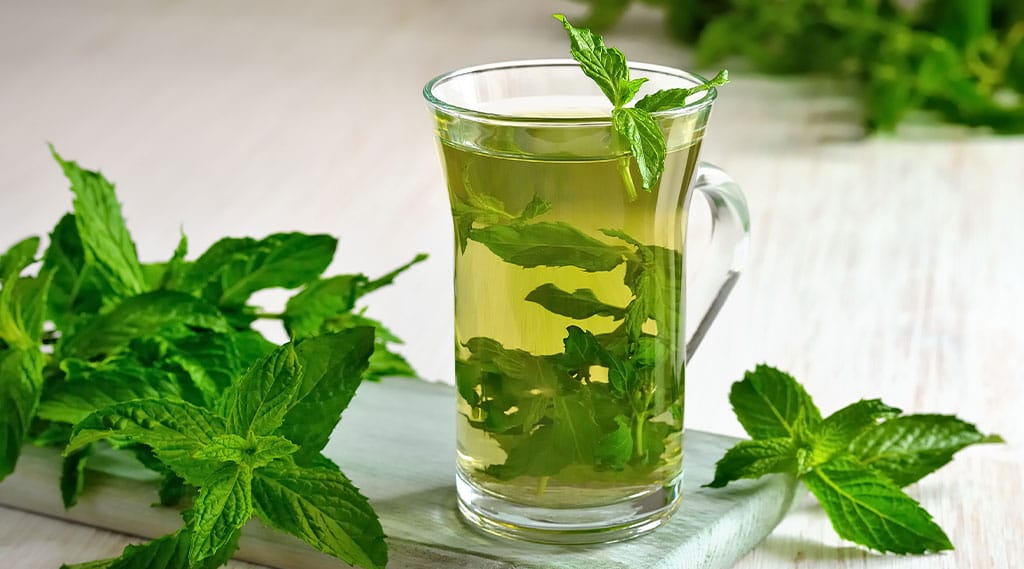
(532, 428)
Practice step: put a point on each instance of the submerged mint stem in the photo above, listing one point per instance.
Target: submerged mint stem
(627, 178)
(638, 436)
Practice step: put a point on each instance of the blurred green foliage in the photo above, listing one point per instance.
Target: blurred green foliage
(960, 59)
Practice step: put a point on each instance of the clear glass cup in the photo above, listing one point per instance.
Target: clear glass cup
(570, 345)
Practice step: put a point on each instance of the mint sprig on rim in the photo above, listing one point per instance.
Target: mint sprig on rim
(608, 68)
(854, 461)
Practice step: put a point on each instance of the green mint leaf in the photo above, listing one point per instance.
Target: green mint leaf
(908, 448)
(579, 304)
(309, 310)
(868, 509)
(222, 507)
(536, 207)
(606, 66)
(255, 452)
(550, 245)
(232, 269)
(175, 430)
(77, 288)
(105, 238)
(332, 368)
(669, 99)
(261, 398)
(754, 459)
(167, 552)
(21, 380)
(19, 256)
(22, 311)
(840, 428)
(615, 448)
(323, 508)
(771, 404)
(251, 346)
(72, 475)
(138, 317)
(646, 142)
(390, 277)
(582, 350)
(385, 363)
(211, 360)
(117, 382)
(160, 276)
(570, 437)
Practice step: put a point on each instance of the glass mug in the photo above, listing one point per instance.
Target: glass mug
(569, 298)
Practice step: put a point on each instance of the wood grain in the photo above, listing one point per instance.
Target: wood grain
(888, 267)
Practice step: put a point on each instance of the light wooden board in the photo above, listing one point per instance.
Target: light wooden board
(396, 442)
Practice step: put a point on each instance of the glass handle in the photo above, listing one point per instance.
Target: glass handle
(730, 236)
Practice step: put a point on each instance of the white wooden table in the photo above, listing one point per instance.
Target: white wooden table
(889, 267)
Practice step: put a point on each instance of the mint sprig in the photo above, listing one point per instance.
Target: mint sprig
(260, 453)
(854, 461)
(160, 361)
(635, 125)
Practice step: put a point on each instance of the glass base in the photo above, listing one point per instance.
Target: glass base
(596, 524)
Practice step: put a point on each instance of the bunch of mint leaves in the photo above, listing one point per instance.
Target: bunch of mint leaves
(636, 125)
(960, 60)
(855, 461)
(160, 361)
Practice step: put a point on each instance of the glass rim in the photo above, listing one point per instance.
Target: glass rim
(706, 99)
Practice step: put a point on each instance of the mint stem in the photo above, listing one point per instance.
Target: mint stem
(627, 177)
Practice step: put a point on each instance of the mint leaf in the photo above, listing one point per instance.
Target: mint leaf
(21, 380)
(771, 404)
(72, 475)
(668, 99)
(606, 66)
(175, 430)
(77, 288)
(232, 269)
(754, 459)
(323, 508)
(868, 509)
(222, 507)
(646, 141)
(210, 359)
(19, 256)
(260, 399)
(251, 347)
(615, 448)
(138, 317)
(906, 449)
(385, 363)
(167, 552)
(570, 437)
(254, 452)
(116, 382)
(536, 207)
(548, 244)
(579, 304)
(332, 368)
(390, 277)
(22, 310)
(307, 311)
(841, 427)
(105, 238)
